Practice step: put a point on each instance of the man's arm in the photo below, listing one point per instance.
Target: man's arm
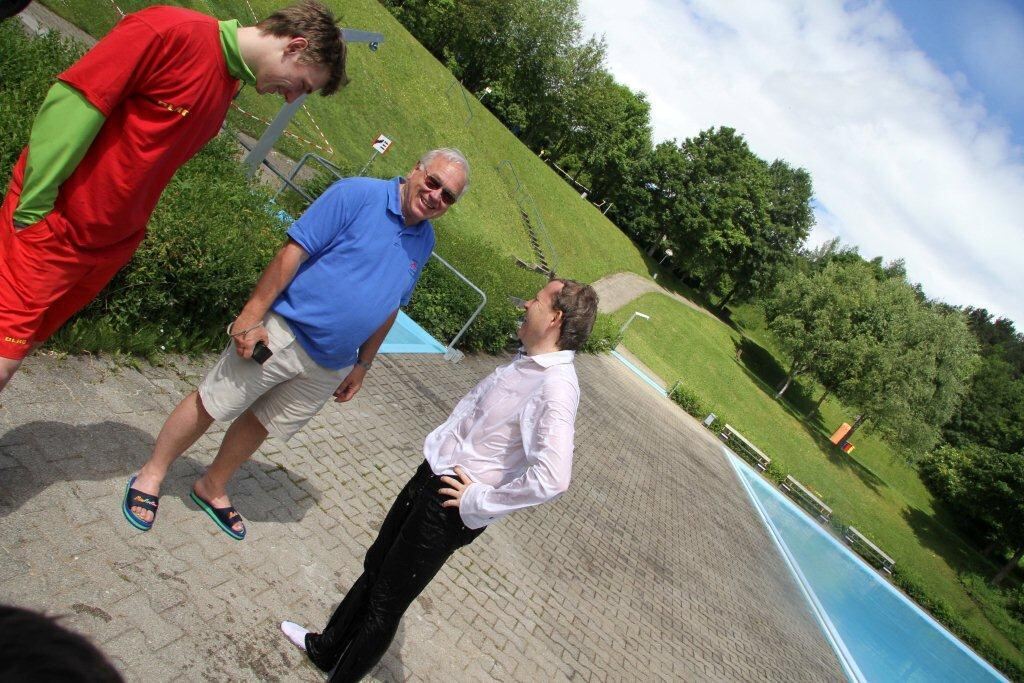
(549, 451)
(61, 134)
(247, 329)
(367, 352)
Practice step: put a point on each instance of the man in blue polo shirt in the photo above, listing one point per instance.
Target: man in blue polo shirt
(322, 307)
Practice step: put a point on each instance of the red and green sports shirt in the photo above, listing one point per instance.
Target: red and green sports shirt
(161, 80)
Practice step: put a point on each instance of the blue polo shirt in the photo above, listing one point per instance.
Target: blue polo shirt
(363, 264)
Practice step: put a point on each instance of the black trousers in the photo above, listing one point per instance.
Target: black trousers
(416, 539)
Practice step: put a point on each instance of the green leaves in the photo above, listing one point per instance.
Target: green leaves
(902, 363)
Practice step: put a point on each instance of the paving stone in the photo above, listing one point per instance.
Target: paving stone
(653, 566)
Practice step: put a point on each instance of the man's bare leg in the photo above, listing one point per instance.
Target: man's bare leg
(186, 423)
(242, 439)
(8, 366)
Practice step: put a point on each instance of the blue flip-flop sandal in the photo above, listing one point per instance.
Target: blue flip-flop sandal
(136, 498)
(224, 517)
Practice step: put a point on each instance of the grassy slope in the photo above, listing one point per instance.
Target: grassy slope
(874, 490)
(403, 92)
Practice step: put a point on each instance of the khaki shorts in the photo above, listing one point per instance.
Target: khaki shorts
(284, 393)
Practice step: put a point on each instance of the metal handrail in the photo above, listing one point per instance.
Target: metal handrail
(465, 99)
(519, 183)
(526, 203)
(289, 181)
(450, 352)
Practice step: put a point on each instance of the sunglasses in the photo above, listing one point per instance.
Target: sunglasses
(434, 183)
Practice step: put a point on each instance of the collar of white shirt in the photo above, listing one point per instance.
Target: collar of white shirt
(546, 360)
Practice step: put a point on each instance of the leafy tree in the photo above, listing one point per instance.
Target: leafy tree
(992, 412)
(813, 317)
(608, 135)
(724, 201)
(660, 210)
(774, 246)
(987, 487)
(911, 364)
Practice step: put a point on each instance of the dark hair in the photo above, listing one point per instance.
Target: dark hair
(34, 647)
(578, 304)
(8, 8)
(314, 22)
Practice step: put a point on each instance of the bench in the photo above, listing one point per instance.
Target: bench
(806, 499)
(744, 448)
(863, 546)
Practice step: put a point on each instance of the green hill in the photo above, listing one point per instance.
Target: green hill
(404, 92)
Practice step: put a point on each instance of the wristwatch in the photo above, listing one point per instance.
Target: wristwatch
(364, 364)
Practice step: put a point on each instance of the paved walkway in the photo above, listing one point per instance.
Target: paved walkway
(653, 566)
(619, 289)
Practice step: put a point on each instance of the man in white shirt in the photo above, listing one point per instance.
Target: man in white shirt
(506, 446)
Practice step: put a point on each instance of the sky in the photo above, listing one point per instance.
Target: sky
(909, 115)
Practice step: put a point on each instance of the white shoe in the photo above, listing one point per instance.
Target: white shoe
(295, 633)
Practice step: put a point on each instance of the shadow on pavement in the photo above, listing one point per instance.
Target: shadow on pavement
(36, 455)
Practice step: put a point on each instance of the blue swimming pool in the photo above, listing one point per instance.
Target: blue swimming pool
(878, 633)
(408, 337)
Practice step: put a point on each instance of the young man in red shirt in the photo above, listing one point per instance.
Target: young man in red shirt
(111, 133)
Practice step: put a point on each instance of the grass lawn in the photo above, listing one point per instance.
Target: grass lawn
(403, 92)
(874, 489)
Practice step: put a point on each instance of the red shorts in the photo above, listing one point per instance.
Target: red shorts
(43, 279)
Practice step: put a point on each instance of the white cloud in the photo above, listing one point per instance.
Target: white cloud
(906, 163)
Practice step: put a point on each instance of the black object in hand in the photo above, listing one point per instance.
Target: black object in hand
(260, 352)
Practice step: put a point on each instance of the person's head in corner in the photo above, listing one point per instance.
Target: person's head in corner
(34, 647)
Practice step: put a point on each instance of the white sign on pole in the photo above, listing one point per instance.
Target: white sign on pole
(381, 143)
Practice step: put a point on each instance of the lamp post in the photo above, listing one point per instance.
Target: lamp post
(636, 314)
(668, 253)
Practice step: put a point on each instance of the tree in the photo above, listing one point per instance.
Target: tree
(812, 316)
(724, 199)
(657, 215)
(912, 364)
(774, 246)
(992, 413)
(608, 135)
(987, 487)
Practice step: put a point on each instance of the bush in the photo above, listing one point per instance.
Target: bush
(443, 303)
(27, 70)
(604, 337)
(940, 471)
(1015, 604)
(208, 241)
(689, 401)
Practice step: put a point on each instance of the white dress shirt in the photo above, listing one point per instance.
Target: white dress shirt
(512, 435)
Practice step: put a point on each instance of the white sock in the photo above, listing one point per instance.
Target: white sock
(295, 633)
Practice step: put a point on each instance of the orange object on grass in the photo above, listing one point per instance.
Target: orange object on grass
(840, 433)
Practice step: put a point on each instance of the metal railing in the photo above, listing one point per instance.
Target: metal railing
(289, 181)
(528, 206)
(465, 99)
(450, 352)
